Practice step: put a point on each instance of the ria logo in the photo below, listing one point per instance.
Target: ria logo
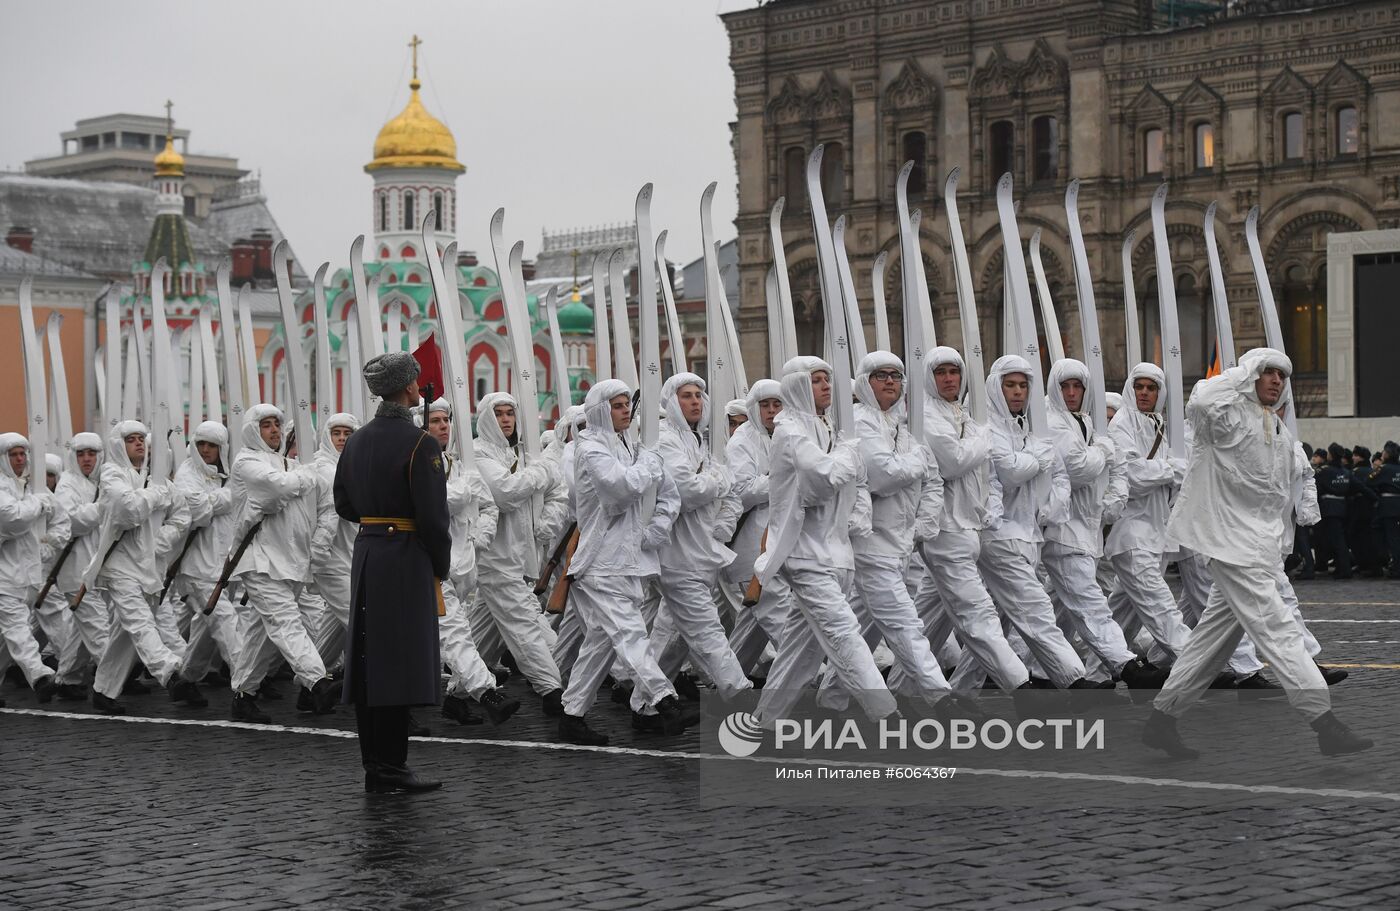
(740, 734)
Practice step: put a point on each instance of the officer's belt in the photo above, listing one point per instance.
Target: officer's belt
(385, 525)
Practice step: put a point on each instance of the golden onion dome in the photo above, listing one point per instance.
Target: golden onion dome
(170, 163)
(415, 139)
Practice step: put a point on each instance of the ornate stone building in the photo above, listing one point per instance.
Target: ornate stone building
(1294, 107)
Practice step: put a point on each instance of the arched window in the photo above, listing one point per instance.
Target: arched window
(383, 211)
(1002, 146)
(1304, 318)
(408, 210)
(437, 211)
(833, 173)
(1045, 141)
(1152, 148)
(1293, 136)
(1348, 131)
(916, 150)
(1205, 146)
(1191, 326)
(794, 178)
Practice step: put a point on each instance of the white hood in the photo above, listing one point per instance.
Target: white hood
(9, 441)
(216, 433)
(597, 409)
(85, 440)
(671, 409)
(488, 429)
(1153, 373)
(865, 394)
(53, 464)
(735, 408)
(760, 390)
(252, 439)
(996, 399)
(1255, 361)
(116, 444)
(1061, 371)
(325, 449)
(799, 406)
(571, 422)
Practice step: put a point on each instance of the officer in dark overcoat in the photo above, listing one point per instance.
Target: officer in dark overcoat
(390, 480)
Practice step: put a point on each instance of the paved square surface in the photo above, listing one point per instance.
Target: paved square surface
(178, 808)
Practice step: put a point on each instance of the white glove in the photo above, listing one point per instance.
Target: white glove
(306, 479)
(1044, 452)
(655, 535)
(47, 502)
(1106, 446)
(654, 463)
(1178, 470)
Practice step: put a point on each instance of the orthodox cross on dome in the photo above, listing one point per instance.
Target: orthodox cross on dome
(413, 45)
(169, 119)
(574, 254)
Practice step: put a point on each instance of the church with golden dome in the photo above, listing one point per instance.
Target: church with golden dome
(415, 169)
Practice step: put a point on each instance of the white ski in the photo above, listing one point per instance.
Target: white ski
(252, 389)
(785, 337)
(602, 331)
(1047, 304)
(320, 319)
(562, 394)
(1224, 333)
(976, 375)
(675, 338)
(915, 354)
(736, 355)
(35, 394)
(1171, 333)
(234, 383)
(1273, 329)
(443, 275)
(366, 322)
(1020, 290)
(1130, 307)
(212, 399)
(624, 357)
(855, 327)
(60, 414)
(648, 334)
(877, 289)
(832, 306)
(1088, 313)
(518, 332)
(112, 366)
(297, 374)
(718, 360)
(167, 429)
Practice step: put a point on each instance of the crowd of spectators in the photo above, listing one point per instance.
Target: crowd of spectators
(1358, 494)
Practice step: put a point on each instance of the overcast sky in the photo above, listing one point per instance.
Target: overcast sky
(562, 109)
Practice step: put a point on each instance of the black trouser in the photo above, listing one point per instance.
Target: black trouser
(1302, 546)
(383, 736)
(1331, 544)
(1390, 529)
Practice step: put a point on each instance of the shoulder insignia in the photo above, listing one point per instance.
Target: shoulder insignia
(437, 464)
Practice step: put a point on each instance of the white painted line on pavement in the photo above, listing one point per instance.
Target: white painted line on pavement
(1350, 603)
(1129, 780)
(1312, 621)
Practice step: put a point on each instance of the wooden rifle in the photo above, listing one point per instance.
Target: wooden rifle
(559, 598)
(229, 565)
(567, 543)
(755, 590)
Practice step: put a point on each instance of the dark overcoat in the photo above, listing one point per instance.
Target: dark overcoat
(392, 469)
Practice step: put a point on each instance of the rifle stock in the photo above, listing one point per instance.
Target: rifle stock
(566, 543)
(52, 580)
(229, 565)
(755, 590)
(559, 598)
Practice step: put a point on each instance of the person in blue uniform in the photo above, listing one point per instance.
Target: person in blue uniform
(390, 480)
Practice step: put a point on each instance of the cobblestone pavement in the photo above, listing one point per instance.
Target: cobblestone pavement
(177, 808)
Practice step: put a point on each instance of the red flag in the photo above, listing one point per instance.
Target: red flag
(429, 367)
